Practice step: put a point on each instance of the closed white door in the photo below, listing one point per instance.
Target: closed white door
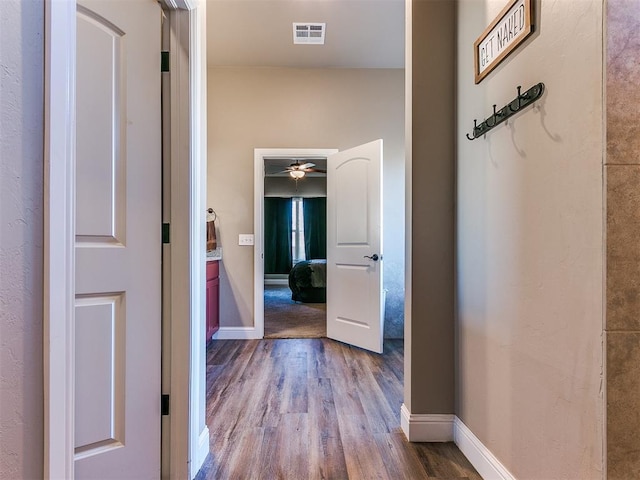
(355, 312)
(118, 240)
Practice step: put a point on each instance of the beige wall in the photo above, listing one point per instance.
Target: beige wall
(298, 108)
(529, 246)
(429, 311)
(284, 187)
(21, 238)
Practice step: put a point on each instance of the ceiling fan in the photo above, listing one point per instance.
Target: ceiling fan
(298, 170)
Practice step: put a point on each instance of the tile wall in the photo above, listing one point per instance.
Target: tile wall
(622, 173)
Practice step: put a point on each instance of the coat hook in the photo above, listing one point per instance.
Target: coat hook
(518, 99)
(492, 117)
(475, 127)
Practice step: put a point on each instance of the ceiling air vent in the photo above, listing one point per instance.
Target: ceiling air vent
(309, 33)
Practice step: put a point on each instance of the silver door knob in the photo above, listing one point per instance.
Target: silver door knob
(373, 257)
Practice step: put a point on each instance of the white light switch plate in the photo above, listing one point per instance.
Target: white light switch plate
(245, 239)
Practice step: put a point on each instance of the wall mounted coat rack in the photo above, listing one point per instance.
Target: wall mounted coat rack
(523, 100)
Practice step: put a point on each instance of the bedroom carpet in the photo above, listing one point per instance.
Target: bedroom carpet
(284, 318)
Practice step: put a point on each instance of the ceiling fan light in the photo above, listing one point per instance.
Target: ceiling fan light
(297, 173)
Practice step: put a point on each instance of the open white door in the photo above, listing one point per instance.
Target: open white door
(355, 313)
(118, 240)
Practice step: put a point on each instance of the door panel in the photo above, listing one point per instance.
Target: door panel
(118, 241)
(101, 90)
(354, 231)
(352, 196)
(99, 390)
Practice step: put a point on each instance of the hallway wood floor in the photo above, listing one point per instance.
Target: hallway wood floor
(314, 409)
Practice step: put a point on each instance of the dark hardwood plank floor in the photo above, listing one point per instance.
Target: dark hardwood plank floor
(314, 409)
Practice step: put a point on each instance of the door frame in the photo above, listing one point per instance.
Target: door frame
(259, 155)
(185, 363)
(59, 259)
(189, 438)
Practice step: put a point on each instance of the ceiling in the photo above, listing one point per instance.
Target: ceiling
(259, 33)
(275, 167)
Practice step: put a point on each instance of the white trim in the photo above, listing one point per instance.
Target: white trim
(198, 430)
(276, 279)
(426, 427)
(485, 462)
(258, 242)
(237, 333)
(202, 451)
(59, 233)
(259, 155)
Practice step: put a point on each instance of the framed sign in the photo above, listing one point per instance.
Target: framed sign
(508, 30)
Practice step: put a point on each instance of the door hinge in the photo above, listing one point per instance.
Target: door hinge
(165, 404)
(164, 61)
(165, 233)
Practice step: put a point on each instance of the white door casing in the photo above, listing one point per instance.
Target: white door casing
(355, 313)
(118, 241)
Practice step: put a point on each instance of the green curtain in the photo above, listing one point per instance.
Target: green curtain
(315, 227)
(277, 235)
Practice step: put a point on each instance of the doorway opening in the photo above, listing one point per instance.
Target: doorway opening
(295, 248)
(283, 398)
(290, 247)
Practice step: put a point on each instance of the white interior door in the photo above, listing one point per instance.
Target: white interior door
(355, 312)
(118, 241)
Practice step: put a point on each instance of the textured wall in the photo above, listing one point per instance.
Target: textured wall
(300, 108)
(623, 239)
(530, 244)
(21, 170)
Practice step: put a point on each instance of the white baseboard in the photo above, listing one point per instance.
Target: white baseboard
(281, 282)
(447, 428)
(201, 452)
(274, 279)
(426, 428)
(485, 462)
(237, 333)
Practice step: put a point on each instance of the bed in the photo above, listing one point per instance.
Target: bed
(307, 281)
